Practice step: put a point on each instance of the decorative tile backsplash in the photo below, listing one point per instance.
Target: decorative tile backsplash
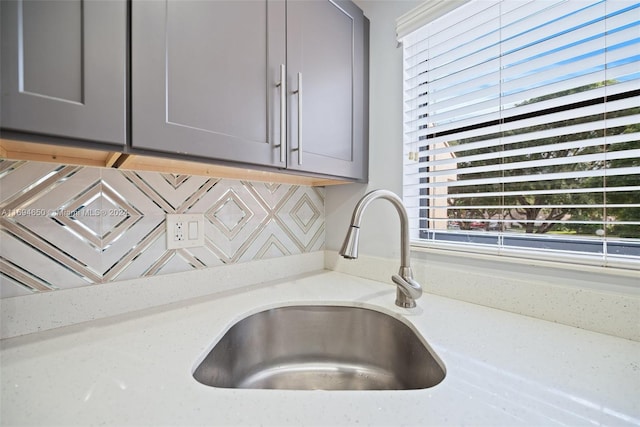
(69, 226)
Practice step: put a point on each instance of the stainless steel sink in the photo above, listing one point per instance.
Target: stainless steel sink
(321, 347)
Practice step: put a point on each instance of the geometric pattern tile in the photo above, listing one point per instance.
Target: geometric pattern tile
(304, 213)
(98, 215)
(172, 196)
(302, 218)
(272, 248)
(234, 220)
(230, 214)
(65, 226)
(175, 180)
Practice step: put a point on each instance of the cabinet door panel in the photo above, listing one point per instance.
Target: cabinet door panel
(204, 78)
(64, 68)
(52, 53)
(325, 44)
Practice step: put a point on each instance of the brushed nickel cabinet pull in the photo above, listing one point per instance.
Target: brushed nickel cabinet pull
(299, 93)
(283, 113)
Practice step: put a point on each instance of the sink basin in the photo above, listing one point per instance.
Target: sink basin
(321, 348)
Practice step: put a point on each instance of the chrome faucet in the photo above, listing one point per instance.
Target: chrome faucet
(408, 290)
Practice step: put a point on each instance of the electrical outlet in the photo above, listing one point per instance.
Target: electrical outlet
(178, 231)
(185, 230)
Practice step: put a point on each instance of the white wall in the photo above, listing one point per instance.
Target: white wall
(380, 235)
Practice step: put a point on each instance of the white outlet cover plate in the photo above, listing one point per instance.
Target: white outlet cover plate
(193, 222)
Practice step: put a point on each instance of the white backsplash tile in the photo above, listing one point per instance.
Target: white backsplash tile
(70, 226)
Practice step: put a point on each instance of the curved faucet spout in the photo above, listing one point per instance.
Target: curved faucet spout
(408, 289)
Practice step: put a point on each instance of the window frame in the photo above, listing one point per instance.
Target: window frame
(473, 243)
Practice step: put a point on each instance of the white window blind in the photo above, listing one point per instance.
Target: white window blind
(522, 128)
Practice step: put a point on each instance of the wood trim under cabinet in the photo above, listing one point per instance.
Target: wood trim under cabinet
(19, 150)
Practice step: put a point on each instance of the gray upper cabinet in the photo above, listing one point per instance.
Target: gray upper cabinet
(64, 68)
(206, 81)
(205, 78)
(276, 83)
(327, 67)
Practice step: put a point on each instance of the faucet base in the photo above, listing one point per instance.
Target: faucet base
(404, 301)
(407, 289)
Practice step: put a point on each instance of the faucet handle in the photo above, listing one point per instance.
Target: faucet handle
(408, 291)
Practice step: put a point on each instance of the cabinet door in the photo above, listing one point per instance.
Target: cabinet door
(64, 68)
(205, 78)
(326, 48)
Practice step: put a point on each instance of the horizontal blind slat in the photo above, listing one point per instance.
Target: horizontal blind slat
(533, 178)
(549, 192)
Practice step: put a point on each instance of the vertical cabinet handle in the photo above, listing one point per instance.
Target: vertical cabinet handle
(299, 92)
(283, 113)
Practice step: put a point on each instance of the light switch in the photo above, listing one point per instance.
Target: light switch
(193, 230)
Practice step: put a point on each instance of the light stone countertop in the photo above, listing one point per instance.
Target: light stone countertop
(135, 369)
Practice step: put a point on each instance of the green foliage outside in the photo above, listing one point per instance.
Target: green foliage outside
(551, 210)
